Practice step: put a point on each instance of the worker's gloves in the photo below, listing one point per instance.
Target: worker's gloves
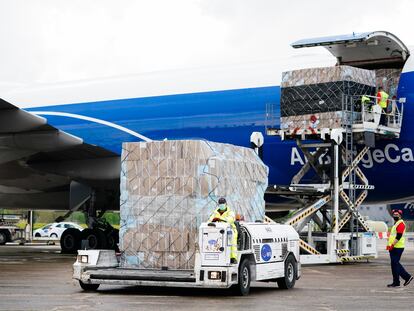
(390, 247)
(216, 219)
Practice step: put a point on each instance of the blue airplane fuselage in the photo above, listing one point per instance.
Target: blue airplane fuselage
(231, 116)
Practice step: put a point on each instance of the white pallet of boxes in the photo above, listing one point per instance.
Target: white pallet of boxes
(168, 188)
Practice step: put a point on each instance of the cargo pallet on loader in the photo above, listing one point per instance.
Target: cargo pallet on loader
(330, 227)
(266, 252)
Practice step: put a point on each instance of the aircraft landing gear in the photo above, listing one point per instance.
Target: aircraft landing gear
(99, 234)
(102, 236)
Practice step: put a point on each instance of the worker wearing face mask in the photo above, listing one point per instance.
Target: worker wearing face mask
(225, 214)
(395, 245)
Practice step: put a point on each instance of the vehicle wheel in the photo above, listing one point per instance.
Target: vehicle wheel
(96, 238)
(244, 278)
(53, 235)
(37, 235)
(70, 240)
(289, 280)
(88, 287)
(4, 237)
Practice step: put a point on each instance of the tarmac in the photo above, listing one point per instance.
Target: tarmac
(39, 278)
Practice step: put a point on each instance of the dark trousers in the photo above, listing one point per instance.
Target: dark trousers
(383, 119)
(397, 268)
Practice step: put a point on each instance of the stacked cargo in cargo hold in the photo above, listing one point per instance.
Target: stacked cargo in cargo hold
(388, 79)
(311, 99)
(168, 188)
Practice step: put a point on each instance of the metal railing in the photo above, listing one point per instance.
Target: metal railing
(354, 114)
(370, 111)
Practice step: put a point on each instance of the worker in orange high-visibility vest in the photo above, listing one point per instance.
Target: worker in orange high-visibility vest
(395, 245)
(225, 214)
(382, 100)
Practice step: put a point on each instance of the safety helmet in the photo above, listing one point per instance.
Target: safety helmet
(222, 201)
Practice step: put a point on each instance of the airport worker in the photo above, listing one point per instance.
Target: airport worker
(365, 103)
(382, 100)
(225, 214)
(365, 100)
(395, 245)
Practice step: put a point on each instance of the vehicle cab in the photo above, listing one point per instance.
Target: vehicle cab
(265, 252)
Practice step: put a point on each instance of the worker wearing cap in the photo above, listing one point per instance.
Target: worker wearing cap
(395, 245)
(225, 214)
(382, 100)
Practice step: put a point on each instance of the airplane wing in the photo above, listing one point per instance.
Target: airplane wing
(42, 167)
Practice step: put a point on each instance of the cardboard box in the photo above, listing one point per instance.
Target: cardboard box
(168, 188)
(320, 90)
(310, 76)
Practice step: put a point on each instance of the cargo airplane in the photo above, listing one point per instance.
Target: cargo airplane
(61, 144)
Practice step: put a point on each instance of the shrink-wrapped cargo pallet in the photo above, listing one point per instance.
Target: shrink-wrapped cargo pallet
(168, 188)
(316, 90)
(312, 98)
(388, 79)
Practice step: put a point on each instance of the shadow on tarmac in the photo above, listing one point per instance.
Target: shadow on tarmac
(187, 292)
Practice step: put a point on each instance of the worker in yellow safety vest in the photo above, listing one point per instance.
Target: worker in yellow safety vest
(382, 100)
(366, 104)
(395, 245)
(365, 100)
(225, 214)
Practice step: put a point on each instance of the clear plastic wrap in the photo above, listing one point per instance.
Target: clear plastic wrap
(168, 188)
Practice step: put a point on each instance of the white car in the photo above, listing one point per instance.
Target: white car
(55, 230)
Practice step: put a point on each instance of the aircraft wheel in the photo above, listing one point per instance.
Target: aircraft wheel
(96, 238)
(112, 239)
(70, 240)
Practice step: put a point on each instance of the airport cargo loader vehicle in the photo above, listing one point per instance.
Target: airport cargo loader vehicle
(266, 252)
(9, 231)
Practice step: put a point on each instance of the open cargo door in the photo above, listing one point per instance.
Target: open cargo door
(369, 50)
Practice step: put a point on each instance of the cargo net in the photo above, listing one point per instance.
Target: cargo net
(319, 98)
(313, 98)
(168, 188)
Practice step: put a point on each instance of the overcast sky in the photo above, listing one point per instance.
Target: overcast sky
(46, 41)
